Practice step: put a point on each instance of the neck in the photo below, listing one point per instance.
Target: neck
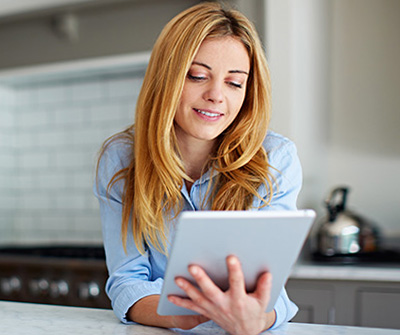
(195, 155)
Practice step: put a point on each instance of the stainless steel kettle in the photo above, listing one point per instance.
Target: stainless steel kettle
(343, 232)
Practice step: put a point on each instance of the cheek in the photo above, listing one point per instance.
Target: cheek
(236, 103)
(185, 97)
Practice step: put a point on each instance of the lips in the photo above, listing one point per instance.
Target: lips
(208, 113)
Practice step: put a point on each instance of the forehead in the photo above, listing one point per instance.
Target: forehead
(225, 52)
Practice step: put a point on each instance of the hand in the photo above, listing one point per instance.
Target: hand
(235, 310)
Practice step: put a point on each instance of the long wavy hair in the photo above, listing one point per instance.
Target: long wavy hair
(154, 178)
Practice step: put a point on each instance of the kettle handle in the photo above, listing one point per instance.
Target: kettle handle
(336, 202)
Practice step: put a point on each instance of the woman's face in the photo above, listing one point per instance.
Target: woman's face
(214, 90)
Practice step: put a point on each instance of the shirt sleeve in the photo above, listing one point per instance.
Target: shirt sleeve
(287, 174)
(130, 274)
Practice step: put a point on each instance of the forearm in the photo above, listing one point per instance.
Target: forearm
(144, 312)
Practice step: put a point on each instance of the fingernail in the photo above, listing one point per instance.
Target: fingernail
(179, 282)
(193, 270)
(232, 260)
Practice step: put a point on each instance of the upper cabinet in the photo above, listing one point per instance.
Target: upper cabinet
(81, 29)
(12, 7)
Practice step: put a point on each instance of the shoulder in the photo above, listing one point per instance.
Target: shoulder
(282, 155)
(278, 145)
(116, 154)
(285, 169)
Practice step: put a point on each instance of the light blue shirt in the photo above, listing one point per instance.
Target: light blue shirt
(133, 276)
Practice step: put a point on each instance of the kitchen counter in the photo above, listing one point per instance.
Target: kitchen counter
(35, 319)
(376, 273)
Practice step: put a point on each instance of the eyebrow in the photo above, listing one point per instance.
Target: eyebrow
(209, 68)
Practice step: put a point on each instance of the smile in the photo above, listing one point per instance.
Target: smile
(207, 113)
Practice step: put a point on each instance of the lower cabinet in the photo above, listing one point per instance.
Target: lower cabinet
(378, 307)
(315, 302)
(341, 302)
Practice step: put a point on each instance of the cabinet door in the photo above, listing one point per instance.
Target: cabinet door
(378, 308)
(316, 303)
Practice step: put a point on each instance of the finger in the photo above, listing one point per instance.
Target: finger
(186, 303)
(236, 277)
(263, 288)
(195, 296)
(207, 286)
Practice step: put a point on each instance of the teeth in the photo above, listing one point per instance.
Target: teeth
(207, 113)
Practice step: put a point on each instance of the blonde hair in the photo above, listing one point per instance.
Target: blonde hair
(155, 175)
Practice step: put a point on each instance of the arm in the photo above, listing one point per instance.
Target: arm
(135, 280)
(130, 274)
(145, 312)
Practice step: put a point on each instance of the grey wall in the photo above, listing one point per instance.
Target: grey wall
(335, 85)
(105, 28)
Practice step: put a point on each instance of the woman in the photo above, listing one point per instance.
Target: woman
(199, 142)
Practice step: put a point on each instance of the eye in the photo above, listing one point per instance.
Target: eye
(234, 84)
(196, 78)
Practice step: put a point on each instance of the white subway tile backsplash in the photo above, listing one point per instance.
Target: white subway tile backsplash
(7, 181)
(7, 97)
(7, 160)
(108, 112)
(35, 201)
(123, 87)
(54, 181)
(92, 203)
(27, 180)
(27, 119)
(6, 141)
(82, 180)
(70, 160)
(55, 222)
(50, 138)
(75, 201)
(34, 160)
(25, 140)
(8, 200)
(25, 96)
(89, 136)
(50, 93)
(87, 91)
(50, 135)
(6, 118)
(71, 115)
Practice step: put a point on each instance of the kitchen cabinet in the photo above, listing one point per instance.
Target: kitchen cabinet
(347, 301)
(378, 307)
(315, 302)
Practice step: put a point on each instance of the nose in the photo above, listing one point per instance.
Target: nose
(214, 93)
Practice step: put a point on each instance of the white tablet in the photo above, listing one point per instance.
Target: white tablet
(262, 240)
